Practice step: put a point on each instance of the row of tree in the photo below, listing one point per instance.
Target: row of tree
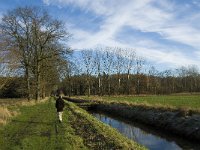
(33, 44)
(34, 61)
(108, 71)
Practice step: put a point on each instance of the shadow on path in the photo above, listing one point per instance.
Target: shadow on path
(33, 122)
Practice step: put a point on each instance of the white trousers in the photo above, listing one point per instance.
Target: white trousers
(60, 115)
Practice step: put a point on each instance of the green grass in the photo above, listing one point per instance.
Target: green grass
(36, 127)
(177, 101)
(98, 135)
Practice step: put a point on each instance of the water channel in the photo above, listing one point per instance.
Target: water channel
(149, 137)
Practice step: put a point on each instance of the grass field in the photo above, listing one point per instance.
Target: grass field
(9, 108)
(36, 127)
(176, 101)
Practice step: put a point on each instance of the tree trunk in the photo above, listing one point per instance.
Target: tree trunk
(138, 86)
(70, 87)
(99, 86)
(88, 86)
(109, 85)
(128, 83)
(89, 90)
(28, 84)
(38, 83)
(119, 85)
(43, 92)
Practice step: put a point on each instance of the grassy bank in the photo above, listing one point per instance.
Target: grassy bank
(9, 108)
(36, 127)
(182, 121)
(97, 135)
(169, 101)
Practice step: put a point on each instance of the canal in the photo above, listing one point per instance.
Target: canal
(151, 138)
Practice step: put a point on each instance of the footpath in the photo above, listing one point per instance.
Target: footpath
(36, 127)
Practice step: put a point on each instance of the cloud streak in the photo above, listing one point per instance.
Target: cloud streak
(165, 18)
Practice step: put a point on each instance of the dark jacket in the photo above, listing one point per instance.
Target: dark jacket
(60, 104)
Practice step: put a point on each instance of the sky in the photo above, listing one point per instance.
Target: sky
(165, 32)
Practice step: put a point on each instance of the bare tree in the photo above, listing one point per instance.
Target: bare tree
(98, 66)
(33, 37)
(153, 80)
(119, 64)
(15, 33)
(108, 64)
(138, 68)
(88, 61)
(130, 57)
(67, 70)
(192, 77)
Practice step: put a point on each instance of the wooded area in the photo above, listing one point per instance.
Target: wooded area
(35, 62)
(117, 71)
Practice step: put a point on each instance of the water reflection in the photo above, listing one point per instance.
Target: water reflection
(151, 141)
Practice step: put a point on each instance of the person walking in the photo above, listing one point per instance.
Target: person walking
(60, 106)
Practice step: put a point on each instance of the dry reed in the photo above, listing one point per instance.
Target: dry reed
(6, 113)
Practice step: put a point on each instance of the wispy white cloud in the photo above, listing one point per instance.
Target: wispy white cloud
(197, 53)
(165, 18)
(1, 16)
(173, 59)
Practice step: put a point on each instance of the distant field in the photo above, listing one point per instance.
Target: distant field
(178, 101)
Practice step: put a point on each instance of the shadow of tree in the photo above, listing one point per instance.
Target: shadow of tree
(33, 122)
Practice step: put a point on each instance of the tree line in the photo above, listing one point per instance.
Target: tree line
(118, 71)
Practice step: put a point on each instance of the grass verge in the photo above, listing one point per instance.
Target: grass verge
(97, 135)
(36, 127)
(181, 102)
(9, 108)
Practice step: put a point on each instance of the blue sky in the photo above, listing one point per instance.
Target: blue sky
(165, 32)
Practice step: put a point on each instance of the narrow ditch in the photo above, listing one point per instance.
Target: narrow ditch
(144, 135)
(155, 129)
